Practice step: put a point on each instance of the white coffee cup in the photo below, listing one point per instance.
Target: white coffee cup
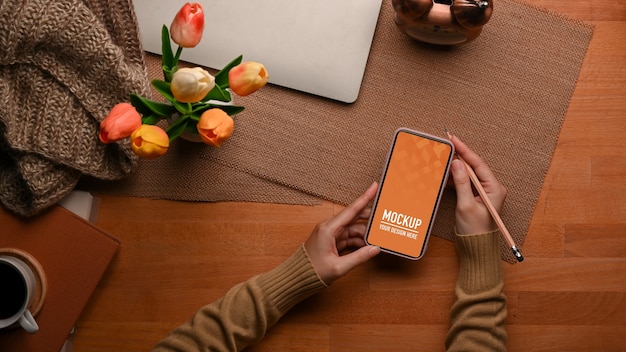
(18, 287)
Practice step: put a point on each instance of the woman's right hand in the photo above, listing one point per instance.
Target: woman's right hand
(472, 216)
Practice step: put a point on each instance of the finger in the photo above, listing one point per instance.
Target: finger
(350, 243)
(349, 213)
(359, 256)
(474, 160)
(462, 183)
(353, 236)
(365, 213)
(357, 230)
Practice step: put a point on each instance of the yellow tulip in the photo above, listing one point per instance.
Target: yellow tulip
(247, 77)
(122, 120)
(215, 127)
(190, 85)
(149, 141)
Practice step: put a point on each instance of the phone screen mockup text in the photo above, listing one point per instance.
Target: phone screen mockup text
(407, 200)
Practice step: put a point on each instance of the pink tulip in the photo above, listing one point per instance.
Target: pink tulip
(215, 127)
(247, 77)
(187, 27)
(149, 141)
(122, 120)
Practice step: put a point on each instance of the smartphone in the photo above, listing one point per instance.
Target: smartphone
(414, 177)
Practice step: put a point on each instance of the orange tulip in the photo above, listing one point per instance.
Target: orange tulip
(247, 77)
(187, 27)
(190, 85)
(149, 141)
(215, 126)
(122, 120)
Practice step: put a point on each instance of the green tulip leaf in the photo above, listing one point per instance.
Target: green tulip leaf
(166, 49)
(229, 109)
(168, 73)
(183, 108)
(164, 89)
(191, 127)
(151, 119)
(177, 128)
(217, 93)
(221, 78)
(196, 114)
(149, 107)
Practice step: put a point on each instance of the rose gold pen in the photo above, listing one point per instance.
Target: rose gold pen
(490, 207)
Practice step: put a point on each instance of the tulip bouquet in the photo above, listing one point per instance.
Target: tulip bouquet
(196, 101)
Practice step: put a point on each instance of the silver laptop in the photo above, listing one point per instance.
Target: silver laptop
(315, 46)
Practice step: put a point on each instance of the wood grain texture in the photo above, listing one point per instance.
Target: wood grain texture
(569, 293)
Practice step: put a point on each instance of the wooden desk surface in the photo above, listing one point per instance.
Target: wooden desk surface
(569, 294)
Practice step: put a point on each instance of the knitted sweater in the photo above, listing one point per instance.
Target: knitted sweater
(63, 65)
(477, 317)
(243, 316)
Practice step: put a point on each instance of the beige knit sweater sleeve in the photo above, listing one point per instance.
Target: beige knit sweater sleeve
(243, 316)
(477, 317)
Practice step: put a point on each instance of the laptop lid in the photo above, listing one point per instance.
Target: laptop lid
(315, 46)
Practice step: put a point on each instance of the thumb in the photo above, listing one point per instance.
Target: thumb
(462, 182)
(359, 256)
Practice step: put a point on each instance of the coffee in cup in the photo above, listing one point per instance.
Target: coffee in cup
(18, 287)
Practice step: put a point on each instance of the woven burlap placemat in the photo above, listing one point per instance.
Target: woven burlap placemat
(505, 94)
(183, 174)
